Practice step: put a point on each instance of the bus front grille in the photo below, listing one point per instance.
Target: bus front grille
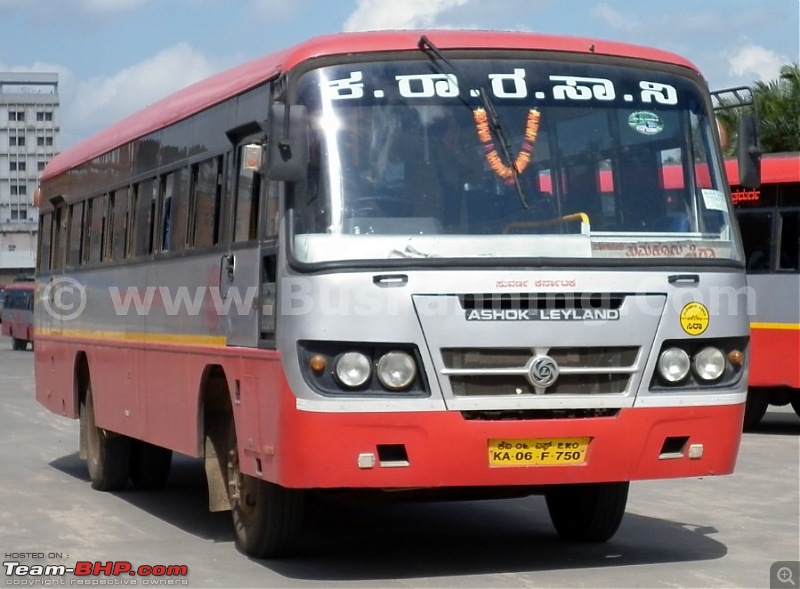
(507, 371)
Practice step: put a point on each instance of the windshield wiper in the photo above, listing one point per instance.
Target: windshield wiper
(492, 117)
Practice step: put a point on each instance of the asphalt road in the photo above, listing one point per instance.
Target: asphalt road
(712, 532)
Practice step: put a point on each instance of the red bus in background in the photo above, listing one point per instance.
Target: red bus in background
(769, 219)
(17, 314)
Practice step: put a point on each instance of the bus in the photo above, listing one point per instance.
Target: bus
(17, 314)
(380, 265)
(769, 219)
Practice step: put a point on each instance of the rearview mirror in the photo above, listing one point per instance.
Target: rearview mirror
(749, 152)
(287, 159)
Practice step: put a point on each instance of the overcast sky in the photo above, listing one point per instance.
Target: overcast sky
(115, 56)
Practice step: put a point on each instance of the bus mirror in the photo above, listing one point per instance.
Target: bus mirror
(288, 143)
(749, 152)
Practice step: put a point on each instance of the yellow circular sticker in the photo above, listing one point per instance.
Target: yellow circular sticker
(694, 318)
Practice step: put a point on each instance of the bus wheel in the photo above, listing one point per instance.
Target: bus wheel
(587, 512)
(107, 453)
(756, 407)
(18, 344)
(796, 403)
(149, 465)
(267, 518)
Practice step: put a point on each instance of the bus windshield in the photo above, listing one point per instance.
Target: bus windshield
(508, 158)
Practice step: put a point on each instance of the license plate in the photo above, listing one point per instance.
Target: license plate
(538, 451)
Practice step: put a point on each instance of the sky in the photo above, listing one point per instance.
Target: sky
(115, 56)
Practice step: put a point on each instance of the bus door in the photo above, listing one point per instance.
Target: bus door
(241, 267)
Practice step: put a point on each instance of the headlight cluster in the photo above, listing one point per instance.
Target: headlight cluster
(395, 370)
(701, 364)
(341, 368)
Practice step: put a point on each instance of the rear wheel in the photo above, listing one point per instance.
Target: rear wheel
(587, 512)
(267, 518)
(756, 407)
(107, 453)
(149, 465)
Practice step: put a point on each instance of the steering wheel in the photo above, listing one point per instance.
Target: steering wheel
(378, 205)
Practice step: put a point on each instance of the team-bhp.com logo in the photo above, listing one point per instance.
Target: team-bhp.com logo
(123, 571)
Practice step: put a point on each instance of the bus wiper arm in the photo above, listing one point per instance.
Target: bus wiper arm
(493, 119)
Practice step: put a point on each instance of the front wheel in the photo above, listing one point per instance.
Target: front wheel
(587, 512)
(107, 453)
(756, 407)
(267, 518)
(18, 344)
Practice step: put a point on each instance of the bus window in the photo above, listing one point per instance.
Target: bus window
(247, 196)
(206, 197)
(789, 241)
(75, 236)
(45, 226)
(756, 229)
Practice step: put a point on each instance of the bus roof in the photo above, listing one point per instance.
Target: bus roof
(776, 168)
(217, 88)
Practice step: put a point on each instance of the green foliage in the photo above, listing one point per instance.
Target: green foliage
(778, 104)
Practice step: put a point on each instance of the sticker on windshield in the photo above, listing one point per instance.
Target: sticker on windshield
(645, 122)
(714, 199)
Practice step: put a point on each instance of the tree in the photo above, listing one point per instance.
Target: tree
(778, 103)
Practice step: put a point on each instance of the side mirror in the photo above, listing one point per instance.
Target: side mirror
(749, 152)
(287, 137)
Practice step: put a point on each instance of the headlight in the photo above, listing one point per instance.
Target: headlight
(673, 364)
(709, 364)
(353, 369)
(396, 370)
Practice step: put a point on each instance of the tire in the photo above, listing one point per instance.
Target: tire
(107, 453)
(796, 403)
(149, 465)
(755, 408)
(267, 518)
(587, 512)
(18, 344)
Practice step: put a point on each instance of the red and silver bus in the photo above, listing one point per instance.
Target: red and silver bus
(17, 314)
(769, 219)
(383, 263)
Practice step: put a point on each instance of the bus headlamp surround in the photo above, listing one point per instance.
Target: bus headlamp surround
(709, 364)
(396, 370)
(353, 369)
(673, 365)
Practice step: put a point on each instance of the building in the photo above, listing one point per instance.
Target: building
(28, 139)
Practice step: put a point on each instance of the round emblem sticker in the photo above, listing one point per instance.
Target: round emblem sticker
(645, 122)
(694, 318)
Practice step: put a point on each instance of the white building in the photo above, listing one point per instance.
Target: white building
(28, 139)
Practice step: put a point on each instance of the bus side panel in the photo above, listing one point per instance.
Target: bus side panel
(775, 356)
(53, 373)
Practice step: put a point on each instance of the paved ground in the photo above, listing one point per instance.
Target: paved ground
(714, 532)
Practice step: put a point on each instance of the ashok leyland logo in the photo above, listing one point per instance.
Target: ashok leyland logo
(543, 371)
(64, 298)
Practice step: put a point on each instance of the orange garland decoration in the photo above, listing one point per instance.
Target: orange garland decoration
(493, 158)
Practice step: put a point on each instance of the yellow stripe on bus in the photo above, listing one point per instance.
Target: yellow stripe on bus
(775, 326)
(138, 337)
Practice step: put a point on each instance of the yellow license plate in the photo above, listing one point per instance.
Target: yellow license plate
(538, 451)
